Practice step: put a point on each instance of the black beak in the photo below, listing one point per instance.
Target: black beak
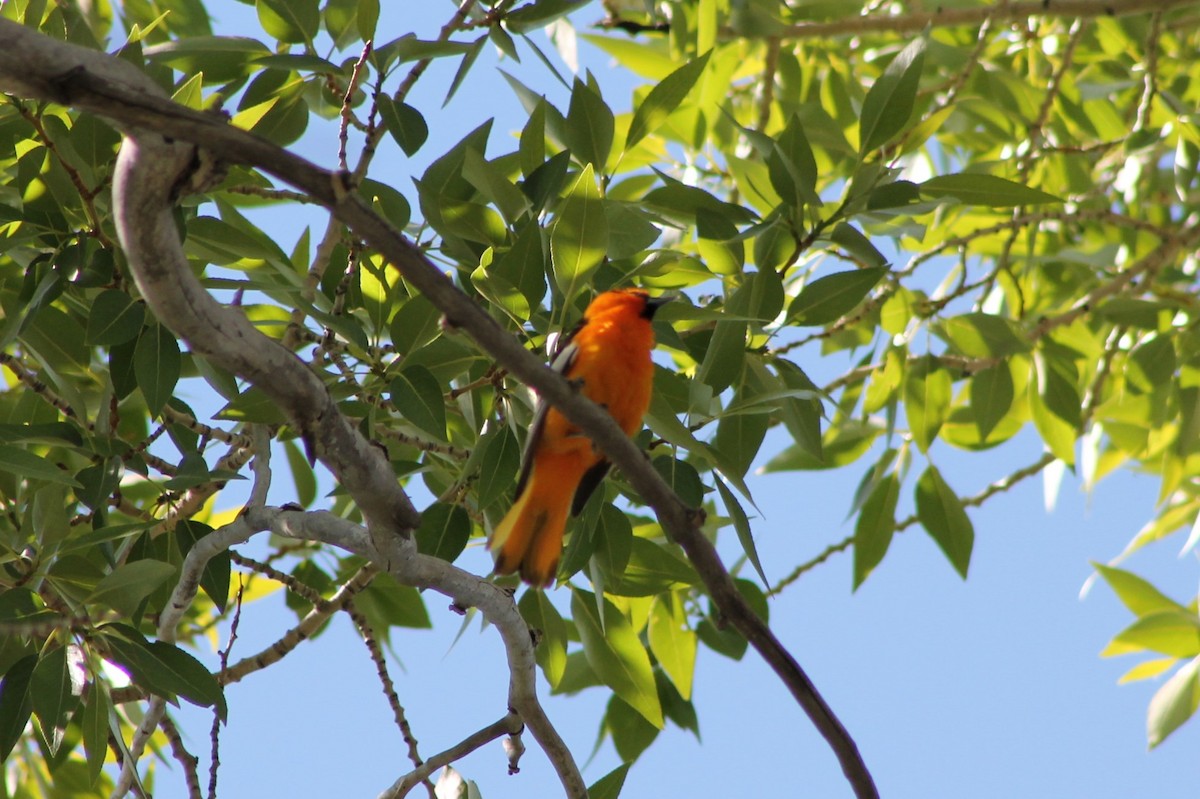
(654, 303)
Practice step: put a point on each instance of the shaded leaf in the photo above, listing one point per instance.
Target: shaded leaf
(16, 704)
(417, 394)
(444, 531)
(157, 364)
(875, 526)
(590, 125)
(988, 190)
(114, 318)
(927, 391)
(889, 102)
(124, 588)
(831, 297)
(943, 516)
(664, 98)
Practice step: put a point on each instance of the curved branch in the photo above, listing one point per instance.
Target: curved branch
(509, 725)
(144, 189)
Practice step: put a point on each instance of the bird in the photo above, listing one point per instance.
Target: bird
(607, 356)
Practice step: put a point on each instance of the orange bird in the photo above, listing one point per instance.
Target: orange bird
(608, 357)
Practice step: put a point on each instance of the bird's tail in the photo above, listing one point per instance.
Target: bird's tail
(530, 536)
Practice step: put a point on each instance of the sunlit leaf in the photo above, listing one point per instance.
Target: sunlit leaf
(1174, 703)
(617, 656)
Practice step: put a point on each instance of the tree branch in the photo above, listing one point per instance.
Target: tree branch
(509, 725)
(144, 189)
(999, 13)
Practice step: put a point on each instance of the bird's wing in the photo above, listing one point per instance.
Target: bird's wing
(565, 353)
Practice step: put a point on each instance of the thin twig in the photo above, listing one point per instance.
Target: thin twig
(215, 733)
(508, 725)
(389, 688)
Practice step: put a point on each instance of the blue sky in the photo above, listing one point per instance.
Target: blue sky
(990, 687)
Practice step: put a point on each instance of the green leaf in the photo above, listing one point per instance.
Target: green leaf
(740, 435)
(532, 146)
(829, 298)
(652, 569)
(1138, 595)
(722, 362)
(673, 642)
(94, 727)
(16, 704)
(741, 525)
(991, 397)
(663, 99)
(609, 786)
(50, 690)
(854, 242)
(1174, 703)
(367, 18)
(387, 202)
(524, 265)
(215, 578)
(590, 126)
(579, 236)
(1056, 389)
(124, 588)
(404, 123)
(943, 516)
(1152, 363)
(536, 15)
(414, 325)
(541, 615)
(26, 465)
(444, 531)
(683, 479)
(927, 390)
(99, 481)
(290, 21)
(614, 538)
(417, 394)
(986, 190)
(157, 364)
(630, 732)
(114, 319)
(303, 477)
(386, 604)
(163, 668)
(500, 463)
(221, 59)
(252, 405)
(875, 527)
(889, 102)
(792, 168)
(1059, 435)
(615, 653)
(1170, 632)
(982, 335)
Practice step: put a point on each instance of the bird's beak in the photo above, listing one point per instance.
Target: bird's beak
(654, 303)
